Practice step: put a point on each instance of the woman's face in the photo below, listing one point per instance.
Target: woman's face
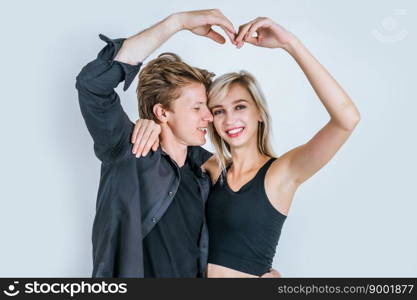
(236, 117)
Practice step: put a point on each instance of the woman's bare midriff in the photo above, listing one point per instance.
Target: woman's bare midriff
(216, 271)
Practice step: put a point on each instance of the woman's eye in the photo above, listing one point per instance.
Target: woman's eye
(217, 112)
(239, 107)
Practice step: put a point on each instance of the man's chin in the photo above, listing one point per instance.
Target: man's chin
(199, 142)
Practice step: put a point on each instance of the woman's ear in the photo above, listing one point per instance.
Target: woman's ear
(160, 113)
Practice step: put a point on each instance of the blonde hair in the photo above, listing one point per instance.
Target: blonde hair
(218, 90)
(160, 81)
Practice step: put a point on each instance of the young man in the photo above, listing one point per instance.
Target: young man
(150, 211)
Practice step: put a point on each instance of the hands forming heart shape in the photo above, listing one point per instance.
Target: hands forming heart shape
(268, 33)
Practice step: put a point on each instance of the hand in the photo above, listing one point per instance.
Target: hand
(269, 34)
(200, 22)
(145, 136)
(272, 274)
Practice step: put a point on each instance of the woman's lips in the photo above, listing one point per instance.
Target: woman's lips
(234, 132)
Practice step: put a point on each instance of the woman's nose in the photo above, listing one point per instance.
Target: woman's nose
(229, 119)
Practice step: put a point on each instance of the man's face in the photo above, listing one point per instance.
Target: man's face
(189, 116)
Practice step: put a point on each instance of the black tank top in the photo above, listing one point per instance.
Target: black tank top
(244, 227)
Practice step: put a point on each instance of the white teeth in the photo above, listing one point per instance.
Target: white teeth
(233, 131)
(203, 129)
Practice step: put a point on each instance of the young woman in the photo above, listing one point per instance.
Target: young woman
(253, 189)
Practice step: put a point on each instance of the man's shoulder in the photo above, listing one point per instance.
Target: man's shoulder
(198, 155)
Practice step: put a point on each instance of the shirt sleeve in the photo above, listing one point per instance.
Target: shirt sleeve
(103, 114)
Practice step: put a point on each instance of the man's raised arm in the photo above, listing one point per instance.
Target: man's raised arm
(138, 47)
(120, 61)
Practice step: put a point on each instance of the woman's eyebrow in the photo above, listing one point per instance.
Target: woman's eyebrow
(234, 102)
(240, 100)
(216, 106)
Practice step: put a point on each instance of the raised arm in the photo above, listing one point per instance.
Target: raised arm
(304, 161)
(138, 47)
(100, 105)
(120, 61)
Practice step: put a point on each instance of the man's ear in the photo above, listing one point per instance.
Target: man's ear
(160, 113)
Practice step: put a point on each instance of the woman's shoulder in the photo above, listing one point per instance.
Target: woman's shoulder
(212, 167)
(279, 172)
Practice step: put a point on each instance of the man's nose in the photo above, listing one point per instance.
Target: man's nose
(208, 116)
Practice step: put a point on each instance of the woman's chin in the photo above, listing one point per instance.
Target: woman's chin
(236, 143)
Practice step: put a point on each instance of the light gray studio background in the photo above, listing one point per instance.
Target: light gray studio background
(355, 217)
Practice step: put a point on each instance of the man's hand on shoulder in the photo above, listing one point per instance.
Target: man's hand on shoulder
(145, 137)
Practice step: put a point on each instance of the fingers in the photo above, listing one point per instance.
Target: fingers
(155, 145)
(136, 130)
(150, 143)
(225, 24)
(145, 135)
(202, 21)
(252, 40)
(215, 36)
(243, 29)
(144, 141)
(247, 31)
(139, 136)
(231, 35)
(261, 22)
(249, 38)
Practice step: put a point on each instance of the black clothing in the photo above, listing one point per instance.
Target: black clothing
(133, 193)
(244, 227)
(171, 248)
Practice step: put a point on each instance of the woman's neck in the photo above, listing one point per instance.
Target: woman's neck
(245, 159)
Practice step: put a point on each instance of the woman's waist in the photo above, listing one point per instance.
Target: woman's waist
(217, 271)
(237, 264)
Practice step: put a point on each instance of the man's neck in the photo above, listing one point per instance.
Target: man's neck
(174, 148)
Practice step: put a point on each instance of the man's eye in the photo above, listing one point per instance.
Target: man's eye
(197, 108)
(239, 107)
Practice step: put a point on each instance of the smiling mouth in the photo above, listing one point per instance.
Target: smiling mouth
(235, 132)
(203, 129)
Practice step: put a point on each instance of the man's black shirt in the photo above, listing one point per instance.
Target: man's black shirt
(171, 249)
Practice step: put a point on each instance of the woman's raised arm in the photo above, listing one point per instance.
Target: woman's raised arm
(305, 160)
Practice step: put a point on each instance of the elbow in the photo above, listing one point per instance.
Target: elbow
(353, 120)
(349, 120)
(84, 78)
(80, 80)
(82, 84)
(355, 117)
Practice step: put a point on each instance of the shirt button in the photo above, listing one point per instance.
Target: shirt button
(153, 220)
(170, 194)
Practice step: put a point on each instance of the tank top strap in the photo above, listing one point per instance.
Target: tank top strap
(265, 167)
(258, 180)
